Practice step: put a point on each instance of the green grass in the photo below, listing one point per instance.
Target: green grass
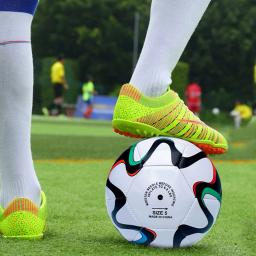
(72, 161)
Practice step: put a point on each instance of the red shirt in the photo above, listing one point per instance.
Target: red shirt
(193, 96)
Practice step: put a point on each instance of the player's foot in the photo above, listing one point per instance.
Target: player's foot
(22, 219)
(140, 116)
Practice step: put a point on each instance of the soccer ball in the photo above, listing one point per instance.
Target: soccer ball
(163, 192)
(216, 111)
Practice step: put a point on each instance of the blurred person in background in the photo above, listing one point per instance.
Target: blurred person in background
(193, 98)
(59, 85)
(240, 113)
(88, 91)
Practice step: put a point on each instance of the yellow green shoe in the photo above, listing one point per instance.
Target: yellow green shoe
(22, 219)
(139, 116)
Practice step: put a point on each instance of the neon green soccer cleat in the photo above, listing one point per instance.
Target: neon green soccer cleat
(22, 219)
(140, 116)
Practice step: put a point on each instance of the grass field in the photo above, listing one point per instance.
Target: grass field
(73, 158)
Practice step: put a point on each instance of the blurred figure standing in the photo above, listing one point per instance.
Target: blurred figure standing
(59, 84)
(193, 98)
(241, 112)
(88, 91)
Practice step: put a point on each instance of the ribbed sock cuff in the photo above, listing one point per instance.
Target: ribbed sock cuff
(20, 188)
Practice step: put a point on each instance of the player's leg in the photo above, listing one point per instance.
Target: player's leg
(59, 99)
(141, 111)
(89, 109)
(21, 213)
(172, 22)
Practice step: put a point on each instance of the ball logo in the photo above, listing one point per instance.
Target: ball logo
(160, 197)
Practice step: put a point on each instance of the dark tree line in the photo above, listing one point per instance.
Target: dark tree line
(99, 34)
(222, 52)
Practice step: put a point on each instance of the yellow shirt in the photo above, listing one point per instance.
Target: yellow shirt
(244, 110)
(88, 90)
(57, 72)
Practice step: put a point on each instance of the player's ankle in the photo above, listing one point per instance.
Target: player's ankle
(13, 190)
(153, 86)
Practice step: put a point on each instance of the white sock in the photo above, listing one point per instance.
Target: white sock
(172, 22)
(18, 177)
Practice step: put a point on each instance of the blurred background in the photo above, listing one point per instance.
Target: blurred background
(103, 38)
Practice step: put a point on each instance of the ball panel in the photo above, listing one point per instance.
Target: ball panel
(163, 152)
(110, 204)
(119, 177)
(191, 240)
(144, 147)
(109, 194)
(160, 197)
(191, 150)
(200, 171)
(213, 206)
(195, 216)
(123, 218)
(145, 236)
(197, 223)
(164, 238)
(180, 145)
(188, 232)
(168, 150)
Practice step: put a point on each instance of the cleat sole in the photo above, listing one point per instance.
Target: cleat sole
(127, 129)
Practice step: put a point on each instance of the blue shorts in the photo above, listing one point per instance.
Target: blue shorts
(88, 102)
(28, 6)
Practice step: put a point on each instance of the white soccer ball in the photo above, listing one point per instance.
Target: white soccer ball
(163, 192)
(216, 111)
